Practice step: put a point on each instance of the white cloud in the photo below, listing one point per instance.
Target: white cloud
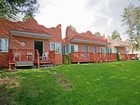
(93, 15)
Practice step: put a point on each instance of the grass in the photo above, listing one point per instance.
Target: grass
(116, 83)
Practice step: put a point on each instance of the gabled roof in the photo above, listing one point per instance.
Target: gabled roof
(28, 26)
(118, 43)
(86, 37)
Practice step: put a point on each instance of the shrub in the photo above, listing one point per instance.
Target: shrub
(117, 57)
(67, 59)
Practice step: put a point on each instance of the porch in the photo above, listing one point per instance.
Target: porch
(29, 57)
(77, 57)
(91, 57)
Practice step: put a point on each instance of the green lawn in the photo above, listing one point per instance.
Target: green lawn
(116, 83)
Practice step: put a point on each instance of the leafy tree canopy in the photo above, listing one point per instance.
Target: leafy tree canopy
(97, 33)
(115, 35)
(27, 16)
(9, 9)
(131, 18)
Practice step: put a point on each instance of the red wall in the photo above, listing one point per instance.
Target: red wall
(30, 25)
(90, 47)
(3, 60)
(15, 44)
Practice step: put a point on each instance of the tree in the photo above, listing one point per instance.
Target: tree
(27, 16)
(97, 33)
(137, 28)
(129, 16)
(115, 35)
(9, 9)
(137, 21)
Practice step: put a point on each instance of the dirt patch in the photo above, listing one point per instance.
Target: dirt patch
(6, 92)
(62, 81)
(9, 82)
(6, 96)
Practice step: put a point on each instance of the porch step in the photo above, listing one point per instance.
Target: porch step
(24, 63)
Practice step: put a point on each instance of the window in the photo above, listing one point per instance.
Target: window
(107, 50)
(3, 45)
(110, 50)
(70, 48)
(74, 48)
(66, 49)
(102, 50)
(85, 48)
(57, 47)
(94, 49)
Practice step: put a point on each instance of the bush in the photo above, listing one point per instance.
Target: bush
(67, 59)
(117, 57)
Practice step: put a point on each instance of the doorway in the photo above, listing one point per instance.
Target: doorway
(39, 46)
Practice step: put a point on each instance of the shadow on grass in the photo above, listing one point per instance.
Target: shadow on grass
(8, 84)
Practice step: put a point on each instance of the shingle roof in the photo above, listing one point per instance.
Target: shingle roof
(118, 43)
(30, 25)
(85, 36)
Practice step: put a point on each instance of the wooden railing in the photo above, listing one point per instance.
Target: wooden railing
(132, 56)
(98, 57)
(91, 57)
(37, 58)
(30, 55)
(52, 57)
(111, 57)
(80, 57)
(21, 55)
(123, 56)
(49, 57)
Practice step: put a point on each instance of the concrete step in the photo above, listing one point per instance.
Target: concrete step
(24, 63)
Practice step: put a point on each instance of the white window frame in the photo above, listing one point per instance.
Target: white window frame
(110, 50)
(103, 49)
(75, 48)
(94, 49)
(87, 48)
(5, 46)
(57, 47)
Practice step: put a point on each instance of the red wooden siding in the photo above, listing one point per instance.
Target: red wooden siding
(30, 26)
(3, 60)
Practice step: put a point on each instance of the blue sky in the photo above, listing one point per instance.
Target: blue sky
(94, 15)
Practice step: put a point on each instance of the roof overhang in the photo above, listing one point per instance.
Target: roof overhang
(89, 42)
(121, 46)
(30, 34)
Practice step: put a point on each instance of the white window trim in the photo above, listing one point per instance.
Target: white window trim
(94, 49)
(55, 44)
(7, 44)
(103, 49)
(74, 47)
(85, 46)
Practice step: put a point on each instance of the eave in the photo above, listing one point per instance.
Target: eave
(121, 46)
(30, 34)
(75, 40)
